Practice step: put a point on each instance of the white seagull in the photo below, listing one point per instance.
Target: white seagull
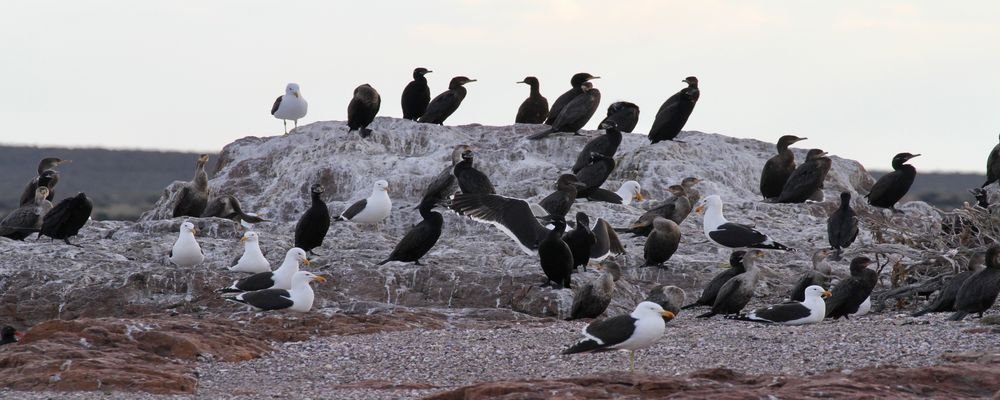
(809, 311)
(372, 210)
(638, 330)
(730, 234)
(298, 298)
(281, 278)
(629, 192)
(253, 260)
(290, 106)
(186, 251)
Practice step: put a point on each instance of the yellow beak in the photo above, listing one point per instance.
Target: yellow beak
(699, 209)
(194, 231)
(306, 261)
(296, 94)
(319, 279)
(243, 239)
(667, 314)
(638, 197)
(826, 293)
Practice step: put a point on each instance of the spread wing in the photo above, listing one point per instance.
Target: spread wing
(512, 216)
(607, 241)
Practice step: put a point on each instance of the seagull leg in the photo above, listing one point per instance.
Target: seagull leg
(285, 122)
(631, 361)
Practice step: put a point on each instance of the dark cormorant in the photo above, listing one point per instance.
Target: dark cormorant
(662, 242)
(471, 180)
(229, 207)
(807, 179)
(842, 226)
(47, 176)
(580, 240)
(362, 109)
(893, 186)
(606, 144)
(945, 300)
(708, 295)
(66, 218)
(851, 292)
(27, 219)
(314, 223)
(535, 108)
(607, 242)
(623, 113)
(576, 82)
(576, 114)
(8, 335)
(420, 238)
(193, 197)
(555, 256)
(446, 103)
(592, 299)
(777, 169)
(593, 176)
(819, 275)
(674, 112)
(993, 166)
(676, 208)
(737, 291)
(416, 95)
(980, 291)
(560, 201)
(444, 184)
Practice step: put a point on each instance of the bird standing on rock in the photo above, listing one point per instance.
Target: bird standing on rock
(842, 226)
(313, 225)
(471, 180)
(535, 108)
(730, 234)
(193, 197)
(65, 219)
(47, 176)
(807, 179)
(362, 109)
(606, 144)
(370, 210)
(576, 84)
(980, 291)
(711, 290)
(421, 238)
(674, 113)
(555, 256)
(27, 219)
(891, 187)
(778, 168)
(416, 95)
(624, 114)
(447, 102)
(186, 252)
(575, 114)
(739, 290)
(851, 292)
(290, 106)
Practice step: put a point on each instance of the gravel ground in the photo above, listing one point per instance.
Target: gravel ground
(412, 364)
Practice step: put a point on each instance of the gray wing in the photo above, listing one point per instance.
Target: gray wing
(24, 219)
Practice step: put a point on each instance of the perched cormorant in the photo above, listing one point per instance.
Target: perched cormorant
(9, 335)
(47, 176)
(674, 112)
(606, 241)
(555, 256)
(420, 238)
(669, 297)
(297, 297)
(852, 291)
(26, 219)
(580, 240)
(606, 144)
(229, 207)
(676, 208)
(446, 103)
(535, 108)
(576, 82)
(66, 218)
(186, 252)
(290, 106)
(280, 278)
(807, 179)
(193, 197)
(591, 300)
(471, 180)
(371, 210)
(444, 184)
(945, 300)
(819, 275)
(711, 290)
(692, 194)
(576, 114)
(810, 310)
(623, 113)
(416, 95)
(662, 242)
(559, 202)
(893, 186)
(777, 169)
(593, 176)
(993, 166)
(362, 109)
(737, 291)
(980, 291)
(842, 226)
(730, 234)
(638, 330)
(314, 223)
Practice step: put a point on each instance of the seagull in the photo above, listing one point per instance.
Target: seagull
(372, 210)
(298, 298)
(281, 278)
(638, 330)
(290, 106)
(809, 311)
(253, 260)
(186, 251)
(730, 234)
(629, 192)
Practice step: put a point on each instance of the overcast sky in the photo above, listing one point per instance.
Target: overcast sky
(861, 79)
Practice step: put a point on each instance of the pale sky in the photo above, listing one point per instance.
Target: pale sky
(861, 79)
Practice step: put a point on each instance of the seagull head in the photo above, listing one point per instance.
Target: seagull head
(250, 236)
(649, 309)
(293, 90)
(188, 227)
(633, 188)
(817, 291)
(298, 255)
(709, 202)
(381, 185)
(305, 277)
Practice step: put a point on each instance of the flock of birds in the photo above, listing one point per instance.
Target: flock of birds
(540, 229)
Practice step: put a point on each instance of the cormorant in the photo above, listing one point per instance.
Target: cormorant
(47, 176)
(193, 197)
(471, 180)
(444, 184)
(420, 238)
(893, 186)
(807, 179)
(290, 106)
(711, 290)
(980, 291)
(842, 226)
(945, 300)
(852, 291)
(314, 223)
(535, 108)
(778, 168)
(662, 242)
(575, 82)
(27, 219)
(416, 95)
(580, 240)
(362, 109)
(819, 275)
(623, 113)
(593, 176)
(446, 103)
(737, 291)
(669, 297)
(560, 201)
(555, 256)
(592, 299)
(993, 166)
(676, 208)
(576, 114)
(66, 218)
(692, 194)
(9, 335)
(674, 112)
(228, 207)
(606, 144)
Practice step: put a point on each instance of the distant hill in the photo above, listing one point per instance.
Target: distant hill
(946, 190)
(122, 183)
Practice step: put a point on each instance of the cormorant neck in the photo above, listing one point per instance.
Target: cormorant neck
(200, 176)
(534, 90)
(419, 78)
(316, 199)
